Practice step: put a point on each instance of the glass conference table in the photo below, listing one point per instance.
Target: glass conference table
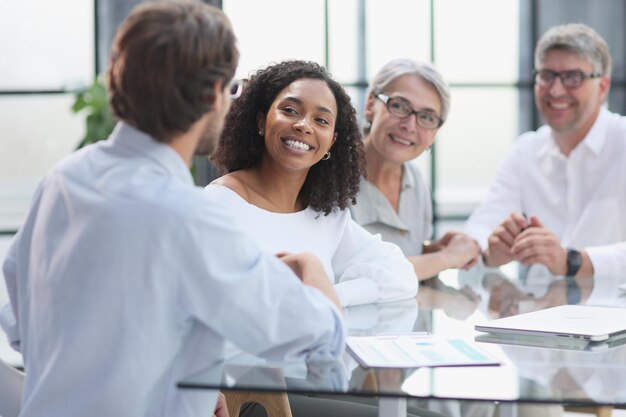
(449, 306)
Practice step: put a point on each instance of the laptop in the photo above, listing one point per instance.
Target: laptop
(551, 342)
(590, 323)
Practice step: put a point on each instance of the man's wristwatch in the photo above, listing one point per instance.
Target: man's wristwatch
(574, 262)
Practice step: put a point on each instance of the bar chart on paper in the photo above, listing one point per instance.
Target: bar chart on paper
(416, 350)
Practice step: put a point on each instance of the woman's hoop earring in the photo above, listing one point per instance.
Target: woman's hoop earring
(326, 157)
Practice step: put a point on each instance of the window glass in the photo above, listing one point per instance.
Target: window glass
(46, 45)
(472, 143)
(275, 30)
(50, 45)
(357, 101)
(37, 131)
(343, 42)
(477, 41)
(396, 29)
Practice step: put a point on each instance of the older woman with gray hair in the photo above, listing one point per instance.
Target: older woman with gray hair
(407, 103)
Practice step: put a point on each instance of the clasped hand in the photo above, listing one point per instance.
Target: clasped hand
(526, 241)
(461, 250)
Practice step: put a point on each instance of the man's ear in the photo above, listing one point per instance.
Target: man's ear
(605, 86)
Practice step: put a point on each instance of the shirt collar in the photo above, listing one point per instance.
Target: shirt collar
(596, 137)
(594, 141)
(549, 146)
(127, 136)
(408, 180)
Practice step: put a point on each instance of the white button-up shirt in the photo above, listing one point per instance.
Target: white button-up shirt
(125, 278)
(580, 198)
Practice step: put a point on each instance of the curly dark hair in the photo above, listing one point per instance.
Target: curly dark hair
(331, 183)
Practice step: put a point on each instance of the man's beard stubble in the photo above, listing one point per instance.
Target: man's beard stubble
(210, 139)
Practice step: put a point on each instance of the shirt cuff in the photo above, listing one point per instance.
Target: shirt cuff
(334, 350)
(607, 261)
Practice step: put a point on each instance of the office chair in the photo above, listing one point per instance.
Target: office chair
(11, 382)
(275, 404)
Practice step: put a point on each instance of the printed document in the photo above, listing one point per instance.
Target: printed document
(414, 350)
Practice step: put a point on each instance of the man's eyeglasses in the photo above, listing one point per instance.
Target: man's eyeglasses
(401, 108)
(569, 79)
(235, 88)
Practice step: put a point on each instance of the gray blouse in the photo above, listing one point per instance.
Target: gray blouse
(407, 228)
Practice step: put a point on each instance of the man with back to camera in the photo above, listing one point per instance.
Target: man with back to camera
(558, 198)
(124, 277)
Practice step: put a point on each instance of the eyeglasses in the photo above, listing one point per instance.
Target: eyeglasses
(569, 79)
(235, 88)
(401, 108)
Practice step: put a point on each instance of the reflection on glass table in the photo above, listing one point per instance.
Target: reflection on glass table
(449, 306)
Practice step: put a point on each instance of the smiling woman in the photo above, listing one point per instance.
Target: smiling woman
(292, 154)
(299, 126)
(407, 103)
(284, 109)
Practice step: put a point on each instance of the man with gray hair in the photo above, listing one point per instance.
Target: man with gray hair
(558, 199)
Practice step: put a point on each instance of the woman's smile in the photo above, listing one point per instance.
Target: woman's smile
(296, 144)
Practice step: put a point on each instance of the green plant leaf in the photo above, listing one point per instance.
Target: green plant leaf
(99, 120)
(79, 103)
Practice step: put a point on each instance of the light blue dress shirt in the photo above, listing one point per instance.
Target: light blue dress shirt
(125, 278)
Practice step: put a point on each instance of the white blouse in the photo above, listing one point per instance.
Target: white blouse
(364, 268)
